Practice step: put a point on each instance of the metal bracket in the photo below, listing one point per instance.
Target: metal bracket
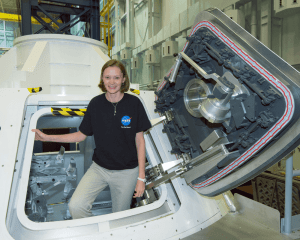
(186, 158)
(213, 76)
(167, 166)
(60, 155)
(169, 115)
(215, 138)
(157, 120)
(217, 154)
(181, 170)
(160, 169)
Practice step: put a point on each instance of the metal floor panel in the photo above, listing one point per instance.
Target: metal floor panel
(252, 220)
(236, 227)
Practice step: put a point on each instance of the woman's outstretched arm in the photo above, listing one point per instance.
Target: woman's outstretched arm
(67, 138)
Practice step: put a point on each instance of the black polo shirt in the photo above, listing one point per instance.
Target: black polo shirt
(115, 135)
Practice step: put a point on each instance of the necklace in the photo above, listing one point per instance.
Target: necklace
(114, 104)
(115, 107)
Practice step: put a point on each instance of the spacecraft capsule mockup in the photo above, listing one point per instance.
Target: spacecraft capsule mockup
(229, 115)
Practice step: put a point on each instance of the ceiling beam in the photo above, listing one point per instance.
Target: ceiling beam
(17, 18)
(74, 2)
(57, 9)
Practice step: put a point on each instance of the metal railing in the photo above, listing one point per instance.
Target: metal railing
(289, 223)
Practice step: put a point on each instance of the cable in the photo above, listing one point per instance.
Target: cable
(144, 36)
(138, 29)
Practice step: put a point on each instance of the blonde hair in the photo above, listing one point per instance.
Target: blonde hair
(115, 63)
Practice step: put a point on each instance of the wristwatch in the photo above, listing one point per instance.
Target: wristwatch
(141, 179)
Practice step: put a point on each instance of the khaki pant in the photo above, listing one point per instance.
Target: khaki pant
(121, 182)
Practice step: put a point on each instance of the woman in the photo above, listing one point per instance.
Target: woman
(117, 120)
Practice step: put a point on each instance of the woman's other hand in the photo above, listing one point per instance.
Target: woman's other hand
(39, 136)
(139, 189)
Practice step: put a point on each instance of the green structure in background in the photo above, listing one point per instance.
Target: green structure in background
(7, 34)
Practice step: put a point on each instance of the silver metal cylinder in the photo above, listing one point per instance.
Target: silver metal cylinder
(214, 110)
(195, 92)
(229, 203)
(175, 68)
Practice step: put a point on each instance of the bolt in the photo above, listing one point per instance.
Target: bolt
(15, 170)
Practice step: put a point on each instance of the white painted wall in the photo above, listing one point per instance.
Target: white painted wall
(278, 33)
(171, 10)
(141, 21)
(290, 39)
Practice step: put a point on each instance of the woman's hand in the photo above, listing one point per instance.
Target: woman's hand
(40, 136)
(139, 189)
(65, 138)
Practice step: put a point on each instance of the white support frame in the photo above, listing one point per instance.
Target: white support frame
(63, 224)
(179, 212)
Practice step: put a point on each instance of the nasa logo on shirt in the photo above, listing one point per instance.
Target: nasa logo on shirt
(126, 120)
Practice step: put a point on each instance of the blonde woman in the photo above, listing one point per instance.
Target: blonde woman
(117, 120)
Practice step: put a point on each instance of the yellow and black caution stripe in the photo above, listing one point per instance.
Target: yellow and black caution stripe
(35, 90)
(135, 91)
(68, 112)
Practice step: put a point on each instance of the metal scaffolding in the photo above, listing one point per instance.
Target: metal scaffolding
(105, 26)
(17, 18)
(70, 12)
(59, 16)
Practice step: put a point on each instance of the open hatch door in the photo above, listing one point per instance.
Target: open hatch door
(230, 106)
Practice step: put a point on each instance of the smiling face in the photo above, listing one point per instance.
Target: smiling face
(113, 79)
